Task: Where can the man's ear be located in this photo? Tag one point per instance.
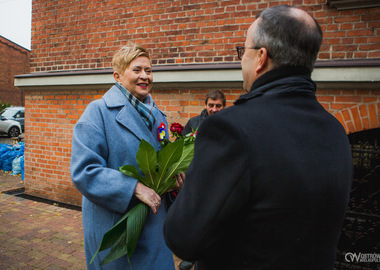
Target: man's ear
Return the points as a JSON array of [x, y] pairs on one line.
[[116, 76], [263, 61]]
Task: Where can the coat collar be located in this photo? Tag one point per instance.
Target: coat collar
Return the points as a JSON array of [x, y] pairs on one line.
[[204, 113], [281, 79], [128, 115], [114, 98]]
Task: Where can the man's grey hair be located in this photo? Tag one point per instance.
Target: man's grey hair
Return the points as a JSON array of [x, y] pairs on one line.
[[289, 39]]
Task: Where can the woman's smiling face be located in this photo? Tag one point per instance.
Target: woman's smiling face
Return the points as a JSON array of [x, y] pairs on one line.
[[137, 77]]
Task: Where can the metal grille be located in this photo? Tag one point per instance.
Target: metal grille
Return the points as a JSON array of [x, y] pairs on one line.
[[360, 239]]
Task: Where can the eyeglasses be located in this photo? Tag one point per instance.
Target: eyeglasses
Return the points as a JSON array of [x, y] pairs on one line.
[[241, 50]]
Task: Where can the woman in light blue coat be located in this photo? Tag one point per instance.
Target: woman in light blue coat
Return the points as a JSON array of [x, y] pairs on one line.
[[106, 137]]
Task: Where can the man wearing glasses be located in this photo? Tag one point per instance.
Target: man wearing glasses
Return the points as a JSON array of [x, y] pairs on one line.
[[270, 180]]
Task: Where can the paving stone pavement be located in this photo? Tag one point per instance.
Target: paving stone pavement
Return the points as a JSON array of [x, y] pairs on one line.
[[39, 235]]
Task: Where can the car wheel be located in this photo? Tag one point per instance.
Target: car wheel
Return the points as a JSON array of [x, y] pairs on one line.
[[13, 132]]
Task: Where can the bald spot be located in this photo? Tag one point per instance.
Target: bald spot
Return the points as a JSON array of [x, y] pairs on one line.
[[302, 16]]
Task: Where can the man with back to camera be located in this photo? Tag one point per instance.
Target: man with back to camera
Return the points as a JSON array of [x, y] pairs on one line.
[[270, 180], [215, 102]]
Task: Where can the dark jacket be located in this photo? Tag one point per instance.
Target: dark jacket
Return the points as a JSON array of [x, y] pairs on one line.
[[269, 183], [195, 122]]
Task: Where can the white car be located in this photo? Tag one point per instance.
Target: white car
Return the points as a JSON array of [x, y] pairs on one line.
[[10, 127], [14, 113]]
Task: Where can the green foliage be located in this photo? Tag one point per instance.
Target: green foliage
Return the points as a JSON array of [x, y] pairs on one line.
[[4, 105], [131, 224], [159, 170]]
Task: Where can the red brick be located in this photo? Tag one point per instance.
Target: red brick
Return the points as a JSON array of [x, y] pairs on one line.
[[366, 124], [325, 99], [349, 19], [349, 99], [14, 60], [363, 111], [350, 127], [369, 99], [356, 119], [374, 54], [369, 47], [373, 115]]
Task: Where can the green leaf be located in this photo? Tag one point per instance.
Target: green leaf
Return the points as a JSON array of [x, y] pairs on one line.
[[124, 235], [110, 237], [149, 182], [167, 156], [126, 243], [119, 249], [171, 153], [184, 161], [146, 158], [135, 225], [180, 166], [131, 171], [166, 185]]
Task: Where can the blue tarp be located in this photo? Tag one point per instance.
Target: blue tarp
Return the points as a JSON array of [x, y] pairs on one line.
[[8, 154], [7, 159], [4, 149], [22, 167]]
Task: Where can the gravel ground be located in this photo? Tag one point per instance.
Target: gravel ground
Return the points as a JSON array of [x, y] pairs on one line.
[[5, 139]]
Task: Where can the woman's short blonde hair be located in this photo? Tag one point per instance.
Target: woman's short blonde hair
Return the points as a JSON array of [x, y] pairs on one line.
[[125, 55]]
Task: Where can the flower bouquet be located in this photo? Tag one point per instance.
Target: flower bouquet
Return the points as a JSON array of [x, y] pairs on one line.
[[159, 170]]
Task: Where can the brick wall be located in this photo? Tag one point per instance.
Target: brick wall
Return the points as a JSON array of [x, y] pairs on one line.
[[81, 34], [49, 119], [357, 110], [51, 116], [14, 60], [73, 34]]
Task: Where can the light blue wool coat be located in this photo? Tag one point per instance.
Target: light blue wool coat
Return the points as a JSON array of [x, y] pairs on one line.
[[106, 137]]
